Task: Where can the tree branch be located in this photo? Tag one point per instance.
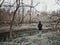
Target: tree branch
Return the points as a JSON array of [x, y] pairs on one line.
[[12, 22], [1, 3]]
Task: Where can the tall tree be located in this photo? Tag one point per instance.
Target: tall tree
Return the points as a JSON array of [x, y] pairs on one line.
[[11, 24]]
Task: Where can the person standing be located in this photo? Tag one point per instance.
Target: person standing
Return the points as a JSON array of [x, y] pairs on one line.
[[40, 27]]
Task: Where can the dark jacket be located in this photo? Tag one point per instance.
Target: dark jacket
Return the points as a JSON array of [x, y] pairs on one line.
[[39, 26]]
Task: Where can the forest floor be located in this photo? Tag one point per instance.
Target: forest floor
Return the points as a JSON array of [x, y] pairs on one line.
[[49, 38], [24, 27], [46, 38]]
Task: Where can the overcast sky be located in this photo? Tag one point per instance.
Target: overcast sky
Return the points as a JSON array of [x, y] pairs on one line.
[[45, 5]]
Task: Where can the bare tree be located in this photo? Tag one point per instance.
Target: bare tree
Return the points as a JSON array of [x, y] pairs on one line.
[[54, 19], [11, 38], [0, 7], [1, 4], [58, 2]]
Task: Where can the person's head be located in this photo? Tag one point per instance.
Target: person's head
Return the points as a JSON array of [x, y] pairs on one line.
[[39, 22]]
